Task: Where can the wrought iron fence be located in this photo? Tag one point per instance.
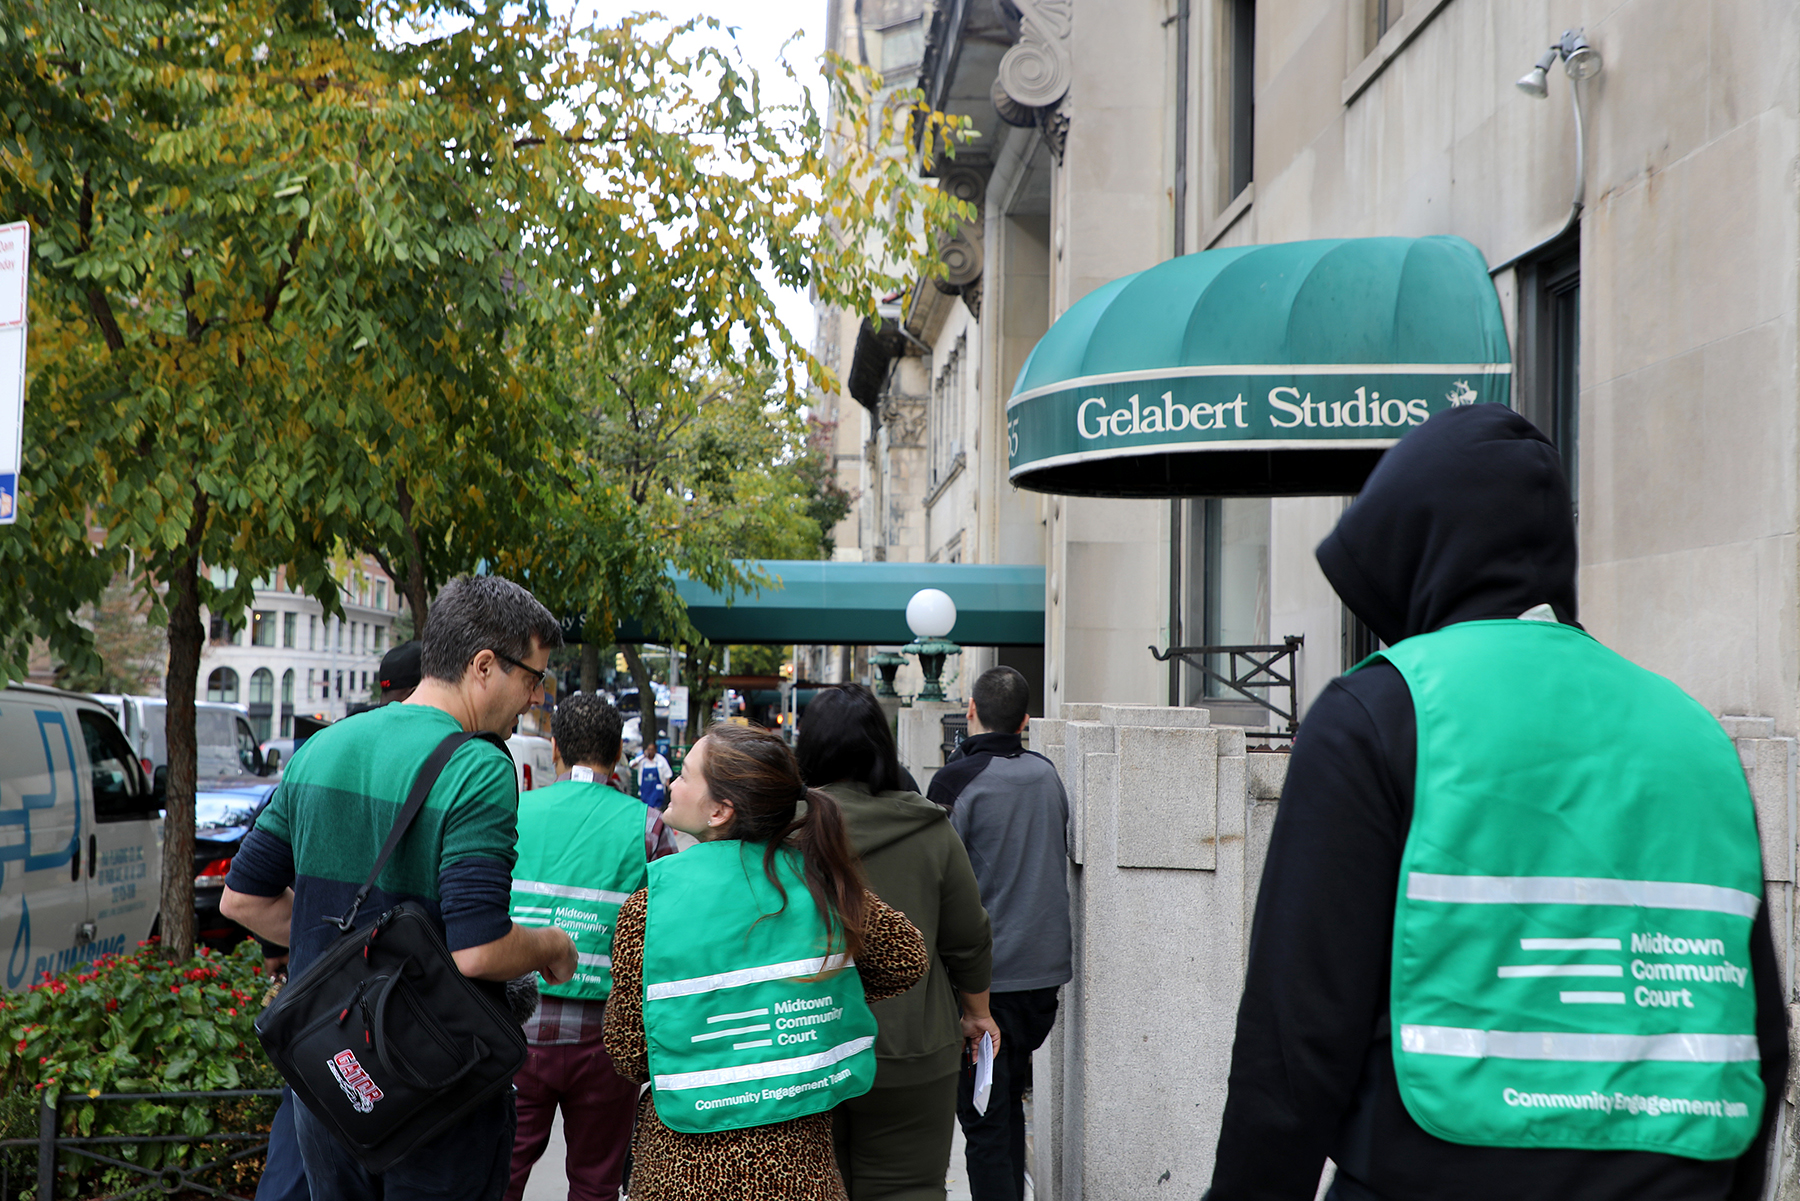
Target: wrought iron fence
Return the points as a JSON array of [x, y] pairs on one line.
[[164, 1179], [1247, 667]]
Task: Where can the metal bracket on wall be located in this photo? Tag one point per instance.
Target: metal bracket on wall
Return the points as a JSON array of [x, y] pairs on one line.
[[1249, 667]]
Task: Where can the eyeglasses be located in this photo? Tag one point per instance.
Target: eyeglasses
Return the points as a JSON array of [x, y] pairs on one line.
[[543, 677]]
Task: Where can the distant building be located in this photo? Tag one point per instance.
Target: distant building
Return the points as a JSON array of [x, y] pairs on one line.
[[286, 656]]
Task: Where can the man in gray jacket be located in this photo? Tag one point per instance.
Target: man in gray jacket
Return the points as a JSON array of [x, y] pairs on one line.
[[1010, 809]]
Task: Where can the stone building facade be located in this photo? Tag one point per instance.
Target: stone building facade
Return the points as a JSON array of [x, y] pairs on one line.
[[1645, 249], [286, 656], [1652, 331]]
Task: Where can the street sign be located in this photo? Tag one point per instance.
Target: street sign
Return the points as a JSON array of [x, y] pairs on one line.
[[15, 247], [678, 705]]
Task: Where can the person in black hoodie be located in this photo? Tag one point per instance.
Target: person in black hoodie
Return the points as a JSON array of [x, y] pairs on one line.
[[1469, 517]]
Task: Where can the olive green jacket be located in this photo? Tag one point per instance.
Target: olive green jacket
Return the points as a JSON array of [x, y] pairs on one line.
[[915, 862]]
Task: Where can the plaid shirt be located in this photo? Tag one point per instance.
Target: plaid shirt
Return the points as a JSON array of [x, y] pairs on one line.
[[562, 1021]]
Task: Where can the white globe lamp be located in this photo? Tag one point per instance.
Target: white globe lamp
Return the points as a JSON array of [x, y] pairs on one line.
[[931, 614]]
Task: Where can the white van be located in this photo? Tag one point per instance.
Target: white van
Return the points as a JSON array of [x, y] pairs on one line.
[[80, 835], [532, 761], [225, 743]]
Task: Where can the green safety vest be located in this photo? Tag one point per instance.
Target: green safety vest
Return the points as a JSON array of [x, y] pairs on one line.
[[743, 1029], [1572, 929], [581, 854]]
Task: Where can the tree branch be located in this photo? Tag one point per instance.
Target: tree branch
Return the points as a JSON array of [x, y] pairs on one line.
[[283, 274], [98, 305]]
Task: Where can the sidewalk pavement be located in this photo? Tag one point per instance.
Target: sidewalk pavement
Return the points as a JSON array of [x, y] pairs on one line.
[[550, 1183]]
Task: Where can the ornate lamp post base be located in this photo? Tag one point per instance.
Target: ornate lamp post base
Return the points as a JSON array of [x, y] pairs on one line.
[[889, 664], [931, 652]]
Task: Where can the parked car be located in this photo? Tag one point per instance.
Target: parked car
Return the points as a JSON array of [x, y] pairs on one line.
[[276, 753], [226, 745], [224, 811], [81, 865], [628, 700]]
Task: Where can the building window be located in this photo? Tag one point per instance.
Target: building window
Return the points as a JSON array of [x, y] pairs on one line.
[[223, 630], [222, 686], [340, 634], [290, 626], [946, 408], [897, 47], [1227, 592], [262, 628], [287, 687], [380, 639], [1379, 16], [312, 632], [381, 594], [1240, 98], [262, 687], [1548, 378]]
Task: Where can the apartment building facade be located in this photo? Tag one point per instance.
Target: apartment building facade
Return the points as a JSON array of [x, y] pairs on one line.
[[286, 656]]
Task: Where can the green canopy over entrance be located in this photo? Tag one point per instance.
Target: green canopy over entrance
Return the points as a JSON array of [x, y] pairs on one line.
[[1280, 370], [826, 602]]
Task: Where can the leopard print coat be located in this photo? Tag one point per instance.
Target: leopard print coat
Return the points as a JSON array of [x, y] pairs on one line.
[[786, 1161]]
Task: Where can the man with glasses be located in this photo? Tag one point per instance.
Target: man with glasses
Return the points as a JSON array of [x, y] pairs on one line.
[[485, 649]]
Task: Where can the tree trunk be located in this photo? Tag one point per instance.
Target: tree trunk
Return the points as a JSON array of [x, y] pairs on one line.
[[646, 694], [590, 668], [417, 591], [187, 637], [701, 691]]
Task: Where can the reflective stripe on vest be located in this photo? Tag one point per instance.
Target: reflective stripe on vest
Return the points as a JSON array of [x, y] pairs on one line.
[[581, 855], [749, 1021], [1571, 963]]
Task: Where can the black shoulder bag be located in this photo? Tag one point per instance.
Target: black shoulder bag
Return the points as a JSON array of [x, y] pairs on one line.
[[382, 1038]]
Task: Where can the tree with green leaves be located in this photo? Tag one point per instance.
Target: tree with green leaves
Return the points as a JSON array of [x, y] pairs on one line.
[[298, 264]]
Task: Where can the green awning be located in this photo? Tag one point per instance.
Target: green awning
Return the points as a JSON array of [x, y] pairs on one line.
[[826, 602], [1280, 370]]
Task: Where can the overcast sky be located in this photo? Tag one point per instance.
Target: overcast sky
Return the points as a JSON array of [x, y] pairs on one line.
[[762, 27]]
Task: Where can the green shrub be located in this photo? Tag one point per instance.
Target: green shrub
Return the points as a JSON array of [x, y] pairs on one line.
[[140, 1024]]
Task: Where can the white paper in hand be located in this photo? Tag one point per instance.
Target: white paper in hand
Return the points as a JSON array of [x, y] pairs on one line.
[[984, 1072]]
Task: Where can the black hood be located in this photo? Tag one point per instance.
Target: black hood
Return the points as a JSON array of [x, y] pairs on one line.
[[1468, 517]]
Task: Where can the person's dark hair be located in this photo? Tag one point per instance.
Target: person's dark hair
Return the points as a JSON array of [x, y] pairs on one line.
[[844, 735], [483, 613], [586, 730], [753, 769], [1001, 698]]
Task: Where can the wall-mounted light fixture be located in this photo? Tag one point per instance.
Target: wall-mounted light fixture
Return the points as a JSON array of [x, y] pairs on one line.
[[1580, 62]]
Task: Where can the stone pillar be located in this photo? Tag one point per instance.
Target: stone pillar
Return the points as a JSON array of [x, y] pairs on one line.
[[1166, 814], [921, 738], [1169, 821], [1769, 764]]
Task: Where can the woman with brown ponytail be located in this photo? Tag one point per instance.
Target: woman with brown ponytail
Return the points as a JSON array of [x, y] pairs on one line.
[[742, 977]]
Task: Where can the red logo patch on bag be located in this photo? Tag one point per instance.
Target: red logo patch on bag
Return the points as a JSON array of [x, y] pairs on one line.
[[355, 1082]]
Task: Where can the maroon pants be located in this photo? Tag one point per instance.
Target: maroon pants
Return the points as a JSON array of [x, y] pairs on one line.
[[597, 1106]]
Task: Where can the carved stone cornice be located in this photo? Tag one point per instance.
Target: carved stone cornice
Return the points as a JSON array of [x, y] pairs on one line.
[[1037, 71], [1054, 124], [904, 419]]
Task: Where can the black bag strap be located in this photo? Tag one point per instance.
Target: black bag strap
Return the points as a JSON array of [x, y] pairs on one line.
[[428, 775]]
